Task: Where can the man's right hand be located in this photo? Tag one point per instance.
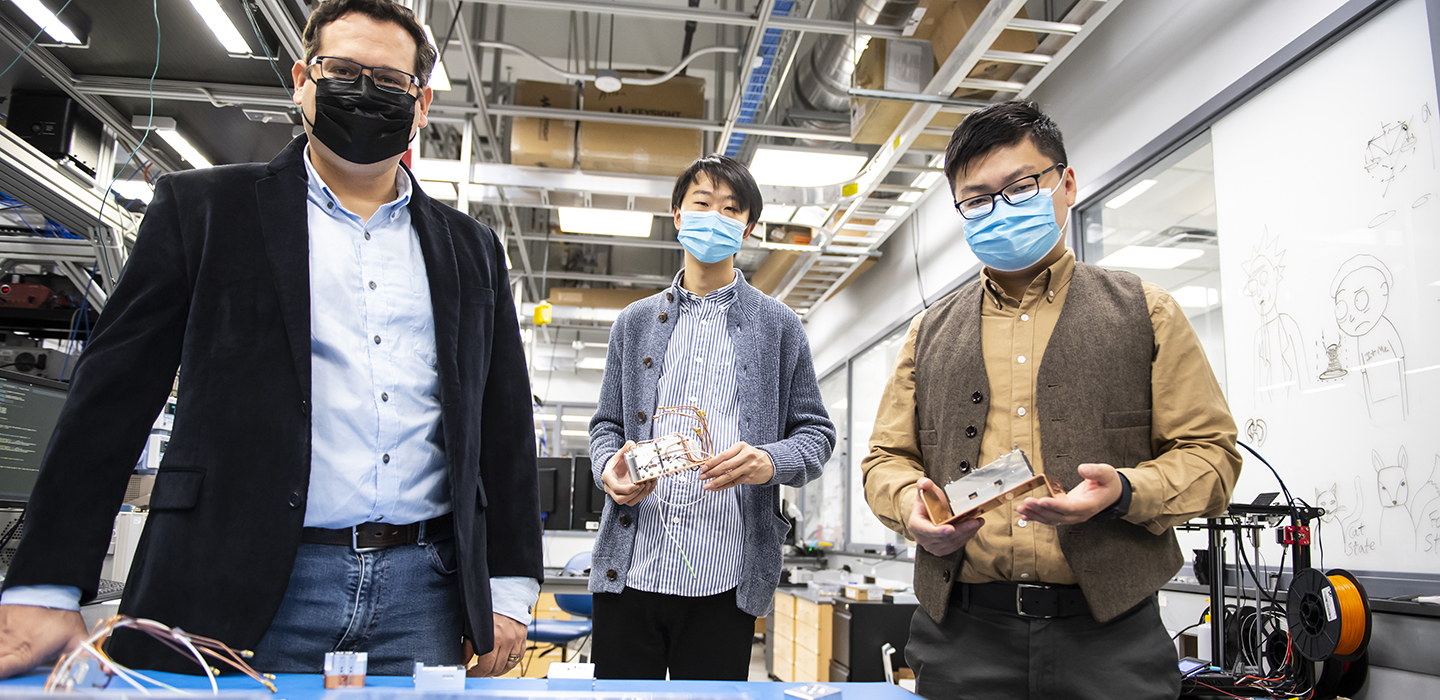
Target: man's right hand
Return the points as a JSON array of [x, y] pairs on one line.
[[620, 484], [31, 635], [940, 540]]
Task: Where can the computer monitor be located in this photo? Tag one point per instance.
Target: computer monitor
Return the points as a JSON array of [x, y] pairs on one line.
[[554, 492], [29, 409], [589, 499]]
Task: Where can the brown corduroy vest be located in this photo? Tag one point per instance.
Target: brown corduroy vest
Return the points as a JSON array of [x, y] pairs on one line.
[[1093, 405]]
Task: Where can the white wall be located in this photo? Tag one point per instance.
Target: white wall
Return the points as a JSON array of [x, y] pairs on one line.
[[1149, 65]]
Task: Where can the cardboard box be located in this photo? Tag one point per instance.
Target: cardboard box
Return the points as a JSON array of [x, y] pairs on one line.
[[952, 20], [597, 298], [895, 65], [624, 148], [544, 143]]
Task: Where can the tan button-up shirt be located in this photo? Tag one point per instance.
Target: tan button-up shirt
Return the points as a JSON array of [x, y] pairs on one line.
[[1192, 431]]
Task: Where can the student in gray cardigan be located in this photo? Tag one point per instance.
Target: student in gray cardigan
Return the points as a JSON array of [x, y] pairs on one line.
[[684, 564]]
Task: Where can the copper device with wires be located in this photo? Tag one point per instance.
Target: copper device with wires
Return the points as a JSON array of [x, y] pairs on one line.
[[88, 666], [673, 453]]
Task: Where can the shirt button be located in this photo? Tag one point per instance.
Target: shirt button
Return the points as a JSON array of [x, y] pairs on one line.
[[377, 340], [1021, 359], [1022, 522], [385, 458], [977, 397], [1024, 575], [367, 235], [669, 296], [329, 205], [1052, 295], [640, 415], [1021, 410], [964, 466], [699, 359], [372, 285], [945, 576], [970, 432], [663, 316], [675, 520], [611, 575], [1024, 317], [625, 521], [295, 499], [384, 397], [647, 362]]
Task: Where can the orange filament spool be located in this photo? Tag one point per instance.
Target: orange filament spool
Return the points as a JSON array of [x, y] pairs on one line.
[[1328, 615]]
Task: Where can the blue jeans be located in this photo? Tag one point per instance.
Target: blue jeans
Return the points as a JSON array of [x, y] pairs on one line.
[[400, 605]]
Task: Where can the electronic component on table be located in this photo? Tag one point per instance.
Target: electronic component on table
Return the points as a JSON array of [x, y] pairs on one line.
[[345, 669], [813, 691], [673, 453], [439, 678], [982, 490]]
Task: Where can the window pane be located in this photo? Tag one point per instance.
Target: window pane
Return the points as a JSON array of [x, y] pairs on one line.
[[1161, 226], [824, 498], [869, 372]]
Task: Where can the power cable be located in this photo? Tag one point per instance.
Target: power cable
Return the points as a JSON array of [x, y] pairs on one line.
[[264, 47], [33, 39]]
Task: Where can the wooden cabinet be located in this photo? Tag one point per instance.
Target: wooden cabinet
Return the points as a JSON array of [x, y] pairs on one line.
[[801, 639]]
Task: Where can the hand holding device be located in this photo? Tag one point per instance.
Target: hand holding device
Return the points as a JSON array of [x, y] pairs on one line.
[[741, 464], [620, 483], [940, 540]]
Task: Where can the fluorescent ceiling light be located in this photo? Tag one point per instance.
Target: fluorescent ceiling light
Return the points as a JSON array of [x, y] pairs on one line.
[[811, 216], [133, 189], [575, 419], [1196, 297], [595, 345], [590, 363], [41, 15], [440, 190], [1150, 257], [575, 433], [925, 180], [439, 79], [794, 168], [1124, 198], [545, 416], [221, 26], [777, 213], [183, 147], [605, 222]]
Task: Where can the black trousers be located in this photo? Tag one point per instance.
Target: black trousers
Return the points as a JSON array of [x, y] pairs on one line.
[[642, 635], [984, 654]]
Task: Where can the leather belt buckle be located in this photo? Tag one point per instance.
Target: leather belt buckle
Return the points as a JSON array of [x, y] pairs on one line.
[[1020, 601], [355, 542]]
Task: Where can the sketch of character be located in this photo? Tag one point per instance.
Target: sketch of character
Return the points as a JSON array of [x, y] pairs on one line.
[[1352, 526], [1427, 513], [1361, 292], [1279, 350], [1404, 503], [1256, 431], [1386, 154]]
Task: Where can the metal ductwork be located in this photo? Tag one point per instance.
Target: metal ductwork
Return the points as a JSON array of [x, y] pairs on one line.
[[823, 78]]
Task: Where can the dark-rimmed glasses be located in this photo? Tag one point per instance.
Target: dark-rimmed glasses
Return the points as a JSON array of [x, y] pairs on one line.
[[1024, 189], [348, 71]]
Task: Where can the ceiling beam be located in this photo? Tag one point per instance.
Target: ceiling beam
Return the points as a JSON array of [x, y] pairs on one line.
[[688, 14], [280, 21], [217, 94], [789, 132]]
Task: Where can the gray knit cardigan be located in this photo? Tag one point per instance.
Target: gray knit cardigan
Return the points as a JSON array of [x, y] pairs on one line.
[[781, 413]]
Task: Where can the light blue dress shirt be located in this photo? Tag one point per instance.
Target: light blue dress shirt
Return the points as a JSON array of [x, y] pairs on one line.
[[688, 541], [377, 452]]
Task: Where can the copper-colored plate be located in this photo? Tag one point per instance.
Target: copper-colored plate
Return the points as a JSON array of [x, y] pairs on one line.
[[941, 514]]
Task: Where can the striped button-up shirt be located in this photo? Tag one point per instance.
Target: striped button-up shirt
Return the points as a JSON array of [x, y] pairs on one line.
[[688, 541]]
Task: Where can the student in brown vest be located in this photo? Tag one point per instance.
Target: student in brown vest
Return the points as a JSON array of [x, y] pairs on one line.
[[1102, 382]]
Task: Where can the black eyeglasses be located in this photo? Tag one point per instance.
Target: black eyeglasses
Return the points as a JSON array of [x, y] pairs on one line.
[[1024, 189], [348, 71]]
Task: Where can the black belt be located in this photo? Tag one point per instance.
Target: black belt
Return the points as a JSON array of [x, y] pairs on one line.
[[380, 535], [1035, 600]]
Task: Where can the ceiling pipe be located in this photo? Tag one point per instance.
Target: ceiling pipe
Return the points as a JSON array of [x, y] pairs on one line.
[[824, 76]]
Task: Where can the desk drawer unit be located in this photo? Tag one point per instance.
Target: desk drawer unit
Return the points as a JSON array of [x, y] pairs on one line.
[[784, 658]]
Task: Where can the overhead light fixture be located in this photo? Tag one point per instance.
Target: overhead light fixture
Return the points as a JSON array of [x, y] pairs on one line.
[[777, 213], [164, 127], [590, 363], [607, 80], [1150, 257], [42, 16], [1196, 297], [575, 433], [575, 419], [1125, 197], [548, 417], [221, 26], [439, 79], [801, 168], [605, 222]]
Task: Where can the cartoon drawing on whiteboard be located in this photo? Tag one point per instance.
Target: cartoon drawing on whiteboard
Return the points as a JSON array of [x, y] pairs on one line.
[[1352, 525], [1361, 292], [1334, 369], [1389, 153], [1278, 346], [1427, 520], [1406, 507], [1256, 431]]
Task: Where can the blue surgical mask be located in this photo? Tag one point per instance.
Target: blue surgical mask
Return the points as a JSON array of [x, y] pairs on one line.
[[1015, 236], [709, 235]]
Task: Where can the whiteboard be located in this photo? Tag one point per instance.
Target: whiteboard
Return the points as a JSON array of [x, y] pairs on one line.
[[1328, 202]]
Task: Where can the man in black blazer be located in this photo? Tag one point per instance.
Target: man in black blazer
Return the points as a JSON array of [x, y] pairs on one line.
[[225, 283]]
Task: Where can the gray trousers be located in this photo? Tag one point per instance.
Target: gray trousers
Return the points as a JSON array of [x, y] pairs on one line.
[[982, 653]]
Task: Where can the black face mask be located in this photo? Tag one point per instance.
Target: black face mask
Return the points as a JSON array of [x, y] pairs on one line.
[[360, 122]]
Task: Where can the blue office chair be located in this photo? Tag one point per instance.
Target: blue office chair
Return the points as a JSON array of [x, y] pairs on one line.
[[561, 632]]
